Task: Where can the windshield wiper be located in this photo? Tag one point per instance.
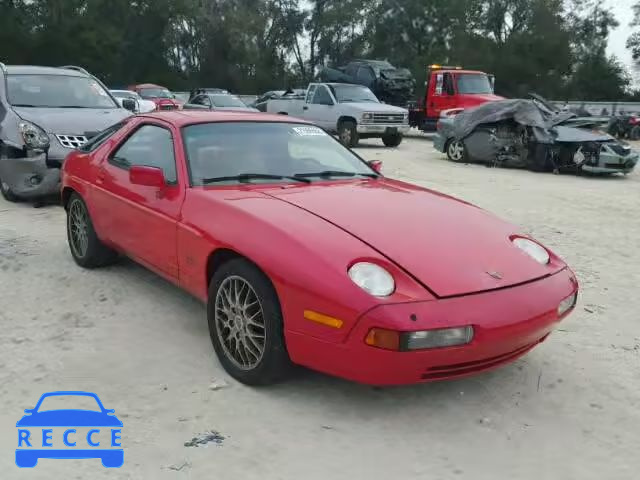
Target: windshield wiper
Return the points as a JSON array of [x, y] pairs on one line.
[[333, 173], [23, 105], [247, 177]]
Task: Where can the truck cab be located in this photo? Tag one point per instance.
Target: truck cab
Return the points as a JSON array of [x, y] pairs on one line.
[[451, 88]]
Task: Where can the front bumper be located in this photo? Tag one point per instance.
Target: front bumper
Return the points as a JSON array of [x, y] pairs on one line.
[[507, 324], [439, 142], [382, 129], [613, 163]]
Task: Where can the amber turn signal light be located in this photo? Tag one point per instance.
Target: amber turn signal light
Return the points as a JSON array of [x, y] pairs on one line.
[[381, 338]]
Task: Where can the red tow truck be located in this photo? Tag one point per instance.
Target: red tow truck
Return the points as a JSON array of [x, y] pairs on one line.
[[450, 88]]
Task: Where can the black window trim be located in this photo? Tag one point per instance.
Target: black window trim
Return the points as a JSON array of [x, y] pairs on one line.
[[101, 138], [154, 123]]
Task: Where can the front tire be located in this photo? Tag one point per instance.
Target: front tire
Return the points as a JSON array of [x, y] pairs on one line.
[[246, 325], [392, 140], [348, 134], [634, 134], [86, 248], [456, 151]]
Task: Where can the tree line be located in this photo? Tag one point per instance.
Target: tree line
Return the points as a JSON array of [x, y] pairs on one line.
[[554, 47]]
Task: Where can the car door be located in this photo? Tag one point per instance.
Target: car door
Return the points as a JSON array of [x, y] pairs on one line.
[[443, 95], [142, 220], [322, 108]]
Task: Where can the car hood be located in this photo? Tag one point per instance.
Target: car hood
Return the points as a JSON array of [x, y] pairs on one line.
[[72, 121], [69, 418], [374, 107], [450, 246], [471, 100]]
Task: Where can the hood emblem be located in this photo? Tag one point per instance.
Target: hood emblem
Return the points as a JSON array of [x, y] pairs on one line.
[[496, 275]]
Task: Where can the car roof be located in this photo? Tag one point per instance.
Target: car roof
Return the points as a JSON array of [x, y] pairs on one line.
[[37, 70], [147, 85], [181, 118]]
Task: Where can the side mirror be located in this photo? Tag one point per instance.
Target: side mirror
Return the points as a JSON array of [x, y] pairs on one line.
[[146, 176], [130, 104], [376, 165]]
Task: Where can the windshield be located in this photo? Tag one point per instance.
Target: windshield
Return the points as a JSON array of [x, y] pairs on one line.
[[474, 83], [217, 150], [226, 101], [56, 91], [182, 96], [353, 93], [158, 92]]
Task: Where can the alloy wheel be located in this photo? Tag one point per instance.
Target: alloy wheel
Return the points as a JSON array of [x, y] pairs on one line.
[[240, 324], [456, 150], [78, 228]]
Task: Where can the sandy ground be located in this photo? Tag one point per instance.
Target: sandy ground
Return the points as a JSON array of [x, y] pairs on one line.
[[568, 410]]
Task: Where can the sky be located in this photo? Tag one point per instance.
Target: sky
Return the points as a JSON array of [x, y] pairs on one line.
[[617, 39]]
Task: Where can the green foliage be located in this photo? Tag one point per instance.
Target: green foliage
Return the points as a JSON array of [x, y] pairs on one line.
[[553, 47]]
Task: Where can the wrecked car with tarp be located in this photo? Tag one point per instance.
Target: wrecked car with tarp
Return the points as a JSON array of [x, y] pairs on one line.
[[532, 134], [391, 85]]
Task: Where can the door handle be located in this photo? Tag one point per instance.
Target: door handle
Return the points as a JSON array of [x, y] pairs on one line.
[[305, 108], [100, 176]]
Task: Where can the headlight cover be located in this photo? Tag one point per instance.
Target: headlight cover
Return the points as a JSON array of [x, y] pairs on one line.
[[34, 137], [533, 249], [372, 278]]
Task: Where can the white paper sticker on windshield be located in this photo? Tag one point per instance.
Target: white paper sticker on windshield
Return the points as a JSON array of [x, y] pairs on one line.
[[309, 131]]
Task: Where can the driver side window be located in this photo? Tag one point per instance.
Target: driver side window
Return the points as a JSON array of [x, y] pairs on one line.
[[322, 97], [151, 146]]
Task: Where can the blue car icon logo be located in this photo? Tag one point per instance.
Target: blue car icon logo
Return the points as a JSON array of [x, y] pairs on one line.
[[89, 432]]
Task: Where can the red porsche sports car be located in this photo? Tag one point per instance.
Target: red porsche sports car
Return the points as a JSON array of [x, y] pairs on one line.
[[305, 254]]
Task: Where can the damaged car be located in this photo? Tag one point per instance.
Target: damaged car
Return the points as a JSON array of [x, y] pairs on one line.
[[391, 85], [45, 113], [532, 134]]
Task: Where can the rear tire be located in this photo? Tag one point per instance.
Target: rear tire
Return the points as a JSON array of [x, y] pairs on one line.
[[86, 248], [392, 140], [348, 133], [456, 151], [246, 325], [634, 134]]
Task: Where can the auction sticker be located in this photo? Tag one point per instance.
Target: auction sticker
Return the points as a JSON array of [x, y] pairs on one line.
[[309, 131]]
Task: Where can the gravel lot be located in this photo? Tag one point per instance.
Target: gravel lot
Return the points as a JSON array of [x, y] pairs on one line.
[[568, 410]]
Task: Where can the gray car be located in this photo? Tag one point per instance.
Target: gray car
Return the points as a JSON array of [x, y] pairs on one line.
[[45, 113], [217, 101]]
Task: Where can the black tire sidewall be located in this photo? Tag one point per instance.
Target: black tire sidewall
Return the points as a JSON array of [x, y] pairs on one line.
[[392, 140], [349, 125], [97, 253], [275, 363]]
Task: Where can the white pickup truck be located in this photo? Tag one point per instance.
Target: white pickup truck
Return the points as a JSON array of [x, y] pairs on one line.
[[351, 111]]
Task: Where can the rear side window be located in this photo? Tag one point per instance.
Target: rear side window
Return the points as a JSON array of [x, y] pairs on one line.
[[101, 137]]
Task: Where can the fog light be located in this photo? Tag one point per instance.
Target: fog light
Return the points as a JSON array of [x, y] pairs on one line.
[[567, 304], [443, 337], [35, 180]]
